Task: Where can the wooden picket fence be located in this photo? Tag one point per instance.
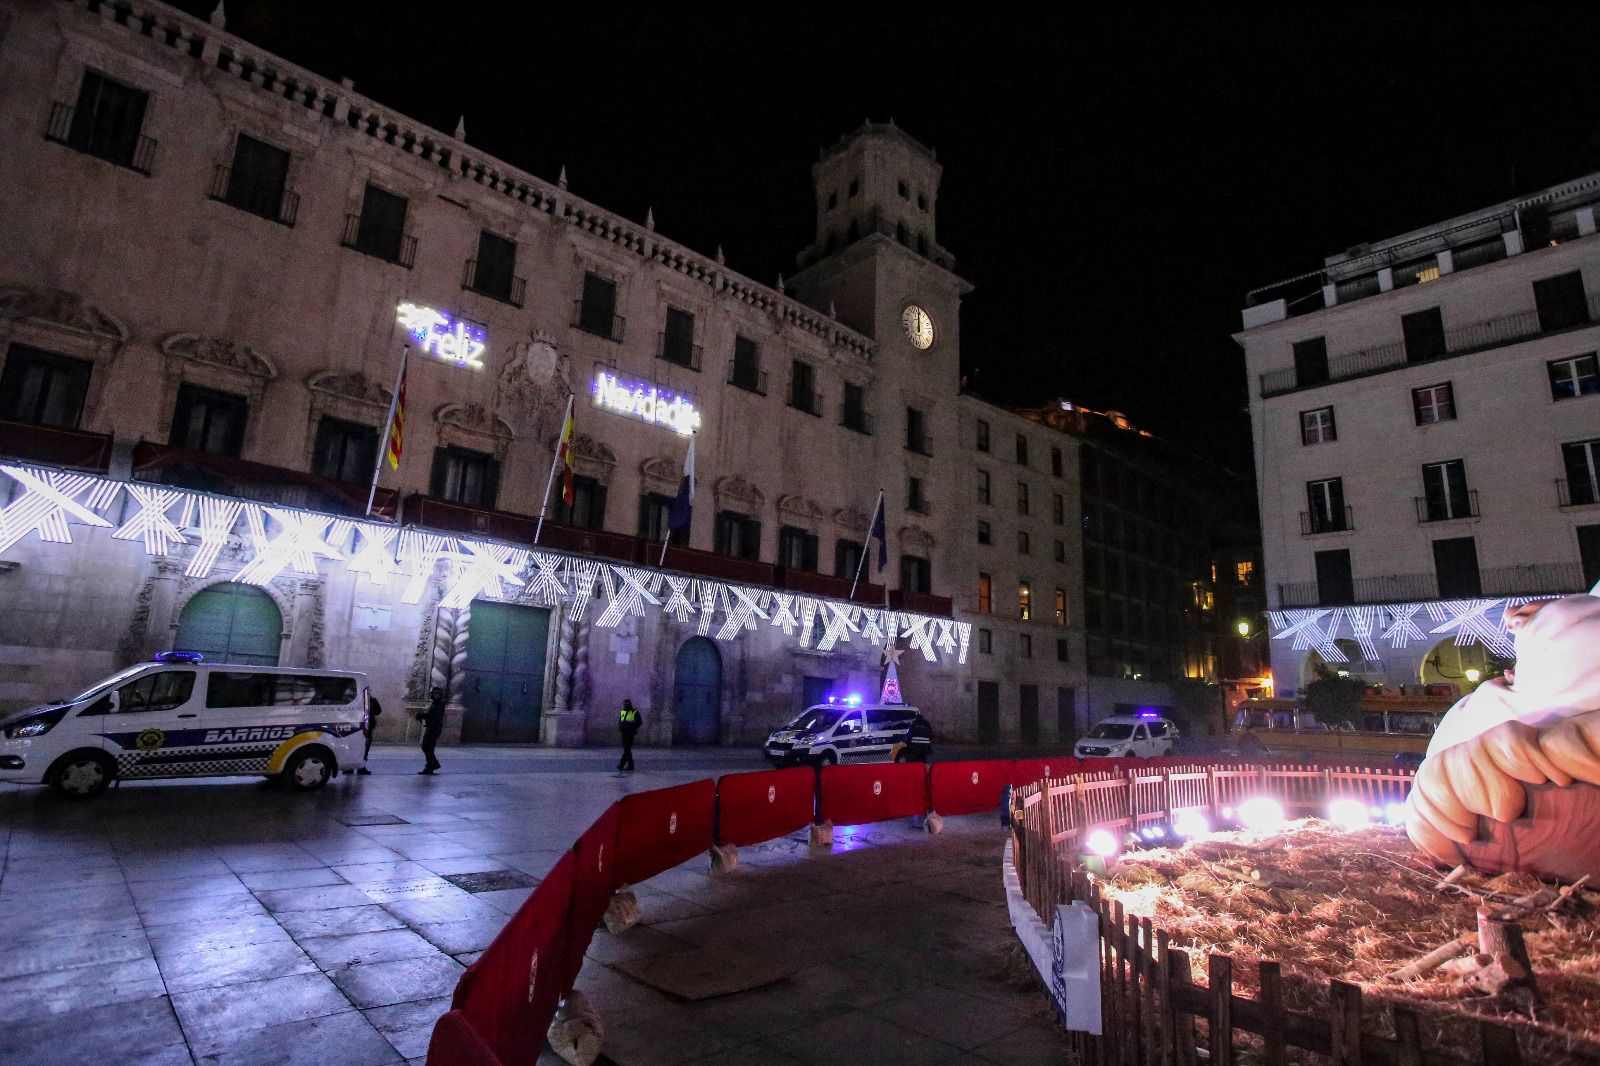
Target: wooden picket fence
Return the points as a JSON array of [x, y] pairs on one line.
[[1153, 1011]]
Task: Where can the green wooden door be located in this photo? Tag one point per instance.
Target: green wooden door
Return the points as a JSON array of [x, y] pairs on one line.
[[504, 691], [231, 623]]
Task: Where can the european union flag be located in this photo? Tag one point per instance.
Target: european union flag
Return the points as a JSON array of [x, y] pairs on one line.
[[878, 531]]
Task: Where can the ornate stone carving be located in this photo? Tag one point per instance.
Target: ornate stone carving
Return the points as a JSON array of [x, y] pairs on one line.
[[533, 385], [421, 660], [130, 648], [916, 539], [591, 458], [449, 667], [315, 647], [661, 474], [62, 309], [736, 494], [474, 418], [351, 385], [800, 511], [221, 353], [851, 521]]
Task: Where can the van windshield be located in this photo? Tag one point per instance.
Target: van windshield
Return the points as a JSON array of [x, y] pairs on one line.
[[1111, 731], [816, 719], [111, 682]]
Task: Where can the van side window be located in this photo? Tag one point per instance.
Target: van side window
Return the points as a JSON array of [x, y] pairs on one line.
[[851, 723], [882, 718], [277, 690], [161, 691], [1158, 729]]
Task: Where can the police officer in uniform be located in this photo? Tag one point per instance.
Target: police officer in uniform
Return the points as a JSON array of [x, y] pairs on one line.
[[432, 726], [628, 720], [369, 727]]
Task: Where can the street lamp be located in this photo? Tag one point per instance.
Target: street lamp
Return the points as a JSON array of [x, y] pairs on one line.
[[1473, 674], [1244, 629]]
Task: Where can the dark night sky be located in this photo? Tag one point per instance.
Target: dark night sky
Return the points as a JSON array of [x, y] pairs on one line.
[[1113, 185]]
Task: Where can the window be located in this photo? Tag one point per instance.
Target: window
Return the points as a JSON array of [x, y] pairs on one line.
[[983, 487], [43, 388], [1245, 571], [344, 451], [208, 421], [802, 387], [106, 123], [746, 370], [855, 187], [1022, 449], [1582, 462], [922, 202], [379, 230], [1561, 301], [985, 535], [1455, 562], [1025, 645], [597, 308], [915, 500], [985, 593], [916, 574], [986, 641], [258, 180], [655, 509], [1445, 491], [228, 690], [1589, 554], [1060, 551], [588, 510], [1433, 403], [677, 340], [1061, 607], [737, 535], [797, 548], [1311, 361], [917, 431], [846, 558], [493, 272], [1579, 376], [983, 435], [900, 187], [1424, 334], [1325, 506], [1022, 497], [1334, 583], [1024, 601], [1063, 650], [853, 415], [1023, 544], [161, 691], [1317, 426], [833, 200], [463, 476], [1058, 509], [1056, 464]]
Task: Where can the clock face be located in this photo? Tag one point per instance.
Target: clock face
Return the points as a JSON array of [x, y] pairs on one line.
[[918, 326]]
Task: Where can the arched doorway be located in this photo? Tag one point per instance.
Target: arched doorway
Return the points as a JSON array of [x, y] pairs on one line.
[[231, 623], [697, 693]]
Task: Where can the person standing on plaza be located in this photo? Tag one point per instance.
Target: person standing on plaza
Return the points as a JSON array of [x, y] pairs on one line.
[[628, 721], [370, 726], [432, 726]]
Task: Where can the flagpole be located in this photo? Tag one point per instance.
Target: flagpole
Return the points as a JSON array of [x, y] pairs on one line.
[[688, 472], [865, 544], [661, 562], [555, 461], [388, 429]]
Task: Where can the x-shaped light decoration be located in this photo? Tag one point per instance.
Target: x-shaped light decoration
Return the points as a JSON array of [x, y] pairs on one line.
[[49, 499]]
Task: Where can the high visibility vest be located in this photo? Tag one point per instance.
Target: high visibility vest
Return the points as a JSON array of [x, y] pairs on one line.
[[628, 715]]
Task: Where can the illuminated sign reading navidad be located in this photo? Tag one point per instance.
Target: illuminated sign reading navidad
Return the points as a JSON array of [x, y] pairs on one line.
[[645, 403], [443, 337]]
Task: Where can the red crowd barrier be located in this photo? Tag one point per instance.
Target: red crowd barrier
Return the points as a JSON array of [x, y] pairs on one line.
[[594, 879], [659, 829], [968, 787], [764, 805], [855, 795], [456, 1043], [1027, 771], [510, 994]]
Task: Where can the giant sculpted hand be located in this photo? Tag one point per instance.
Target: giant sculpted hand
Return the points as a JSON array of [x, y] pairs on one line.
[[1540, 727]]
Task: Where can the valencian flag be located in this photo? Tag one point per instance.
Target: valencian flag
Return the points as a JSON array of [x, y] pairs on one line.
[[564, 451], [398, 424], [877, 531], [683, 503]]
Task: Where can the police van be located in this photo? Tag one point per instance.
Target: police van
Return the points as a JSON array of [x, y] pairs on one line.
[[847, 731], [181, 717]]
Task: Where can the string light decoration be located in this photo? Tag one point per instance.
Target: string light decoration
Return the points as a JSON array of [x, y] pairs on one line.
[[1468, 622], [275, 540]]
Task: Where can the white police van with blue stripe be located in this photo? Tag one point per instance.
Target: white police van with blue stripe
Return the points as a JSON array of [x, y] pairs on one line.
[[181, 717], [846, 730]]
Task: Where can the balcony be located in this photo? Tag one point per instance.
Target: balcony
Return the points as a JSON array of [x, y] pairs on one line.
[[1446, 508], [1313, 523], [855, 418], [1577, 493], [55, 446], [1539, 579], [392, 246], [596, 322], [281, 207], [508, 290], [747, 378], [278, 486], [804, 400], [919, 443], [1463, 340], [135, 153], [677, 351], [922, 602]]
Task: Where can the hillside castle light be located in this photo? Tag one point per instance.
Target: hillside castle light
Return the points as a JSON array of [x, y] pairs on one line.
[[645, 403]]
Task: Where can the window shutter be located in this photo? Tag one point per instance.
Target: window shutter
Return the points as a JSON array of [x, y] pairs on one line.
[[441, 459]]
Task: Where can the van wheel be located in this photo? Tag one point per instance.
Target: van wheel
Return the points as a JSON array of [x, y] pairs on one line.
[[82, 774], [829, 758], [308, 769], [902, 756]]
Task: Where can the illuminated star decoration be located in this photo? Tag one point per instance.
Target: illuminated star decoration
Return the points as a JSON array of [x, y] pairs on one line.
[[891, 653]]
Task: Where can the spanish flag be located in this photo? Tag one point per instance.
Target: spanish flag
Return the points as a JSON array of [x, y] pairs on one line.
[[564, 451], [397, 427]]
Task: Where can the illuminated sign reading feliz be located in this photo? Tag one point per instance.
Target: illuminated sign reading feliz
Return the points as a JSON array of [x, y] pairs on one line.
[[645, 402], [443, 337]]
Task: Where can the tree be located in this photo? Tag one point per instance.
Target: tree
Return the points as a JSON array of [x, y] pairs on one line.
[[1333, 699]]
